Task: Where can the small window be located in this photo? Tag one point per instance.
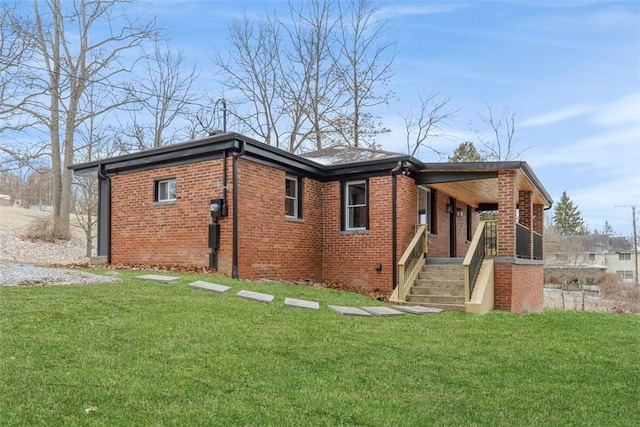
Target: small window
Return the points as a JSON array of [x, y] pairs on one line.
[[592, 257], [355, 204], [433, 209], [469, 223], [165, 190], [624, 257], [292, 198]]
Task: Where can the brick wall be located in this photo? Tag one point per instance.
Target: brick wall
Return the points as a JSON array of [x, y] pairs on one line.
[[439, 241], [507, 202], [519, 288], [350, 257], [143, 231], [271, 245]]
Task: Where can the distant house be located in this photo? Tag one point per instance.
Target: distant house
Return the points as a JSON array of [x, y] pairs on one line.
[[373, 220], [595, 253], [5, 200]]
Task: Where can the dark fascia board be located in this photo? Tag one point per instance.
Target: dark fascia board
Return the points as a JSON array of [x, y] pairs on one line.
[[493, 166], [213, 147]]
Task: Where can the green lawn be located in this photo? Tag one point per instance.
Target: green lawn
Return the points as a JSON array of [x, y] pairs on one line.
[[146, 354]]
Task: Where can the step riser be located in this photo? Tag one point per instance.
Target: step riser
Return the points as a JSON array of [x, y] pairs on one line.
[[430, 291], [436, 299], [436, 276], [446, 307]]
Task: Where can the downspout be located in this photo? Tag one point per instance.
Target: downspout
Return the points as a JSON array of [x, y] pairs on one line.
[[102, 175], [394, 273], [224, 183], [236, 156]]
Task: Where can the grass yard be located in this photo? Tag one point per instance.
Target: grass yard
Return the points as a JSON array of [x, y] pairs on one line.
[[145, 354]]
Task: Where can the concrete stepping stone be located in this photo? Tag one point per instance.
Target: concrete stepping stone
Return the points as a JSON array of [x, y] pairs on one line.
[[255, 296], [383, 311], [301, 303], [417, 309], [201, 285], [348, 311], [158, 278]]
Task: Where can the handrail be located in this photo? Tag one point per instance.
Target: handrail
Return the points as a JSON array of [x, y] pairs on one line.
[[411, 262], [475, 255]]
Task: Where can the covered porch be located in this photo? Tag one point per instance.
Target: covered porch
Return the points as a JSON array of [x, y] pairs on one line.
[[503, 264]]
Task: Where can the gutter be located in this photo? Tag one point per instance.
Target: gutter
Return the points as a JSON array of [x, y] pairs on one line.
[[394, 223]]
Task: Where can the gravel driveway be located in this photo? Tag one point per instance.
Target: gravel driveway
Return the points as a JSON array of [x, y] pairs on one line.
[[18, 274]]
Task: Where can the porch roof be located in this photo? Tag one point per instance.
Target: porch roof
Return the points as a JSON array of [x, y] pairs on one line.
[[476, 183]]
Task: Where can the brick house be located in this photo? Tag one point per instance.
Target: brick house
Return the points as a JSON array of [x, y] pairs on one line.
[[365, 218]]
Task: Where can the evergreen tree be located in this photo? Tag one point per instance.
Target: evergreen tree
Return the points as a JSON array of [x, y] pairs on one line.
[[567, 219], [466, 152], [607, 229]]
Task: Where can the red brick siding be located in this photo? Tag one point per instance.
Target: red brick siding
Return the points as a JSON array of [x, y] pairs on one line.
[[518, 288], [143, 231], [271, 245], [507, 202], [350, 257], [538, 222], [525, 216]]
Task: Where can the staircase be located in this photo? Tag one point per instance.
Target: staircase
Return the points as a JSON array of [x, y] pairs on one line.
[[439, 286]]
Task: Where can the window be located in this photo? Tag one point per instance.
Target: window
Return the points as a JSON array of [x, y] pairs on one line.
[[356, 206], [625, 274], [424, 206], [165, 190], [292, 197], [624, 257], [469, 223], [433, 208], [592, 257]]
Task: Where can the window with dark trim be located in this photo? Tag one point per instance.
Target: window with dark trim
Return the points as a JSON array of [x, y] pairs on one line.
[[355, 205], [624, 257], [165, 190], [293, 197]]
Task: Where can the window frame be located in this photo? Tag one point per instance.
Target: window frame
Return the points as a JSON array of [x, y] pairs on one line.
[[622, 256], [348, 208], [158, 190], [297, 199]]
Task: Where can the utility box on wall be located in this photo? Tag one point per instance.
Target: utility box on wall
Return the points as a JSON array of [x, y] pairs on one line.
[[214, 236]]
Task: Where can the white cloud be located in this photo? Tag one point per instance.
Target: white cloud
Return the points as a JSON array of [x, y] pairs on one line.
[[557, 115]]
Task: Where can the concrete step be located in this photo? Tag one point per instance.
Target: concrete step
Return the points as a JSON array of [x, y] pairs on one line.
[[449, 275], [445, 307], [436, 299], [430, 290]]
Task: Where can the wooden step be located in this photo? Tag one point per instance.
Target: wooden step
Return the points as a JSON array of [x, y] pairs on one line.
[[436, 299], [445, 307], [430, 290]]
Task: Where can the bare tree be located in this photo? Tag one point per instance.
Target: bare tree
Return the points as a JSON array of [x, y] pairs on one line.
[[250, 72], [364, 67], [78, 44], [310, 85], [502, 145], [427, 122], [164, 96]]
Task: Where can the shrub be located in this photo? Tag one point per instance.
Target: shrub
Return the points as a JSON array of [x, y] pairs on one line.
[[45, 229]]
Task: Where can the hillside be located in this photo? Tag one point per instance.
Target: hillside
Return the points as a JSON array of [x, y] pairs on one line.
[[14, 247]]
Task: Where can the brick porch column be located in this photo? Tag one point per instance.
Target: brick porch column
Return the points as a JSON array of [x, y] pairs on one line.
[[507, 203], [526, 217]]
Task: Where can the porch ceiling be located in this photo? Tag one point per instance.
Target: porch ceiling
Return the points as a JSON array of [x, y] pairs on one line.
[[485, 190]]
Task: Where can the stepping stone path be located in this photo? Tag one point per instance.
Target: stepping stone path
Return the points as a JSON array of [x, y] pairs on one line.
[[158, 278], [210, 287], [348, 311], [383, 311], [417, 309], [255, 296], [301, 303]]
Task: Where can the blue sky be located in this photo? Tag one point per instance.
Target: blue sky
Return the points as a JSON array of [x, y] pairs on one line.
[[570, 69]]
